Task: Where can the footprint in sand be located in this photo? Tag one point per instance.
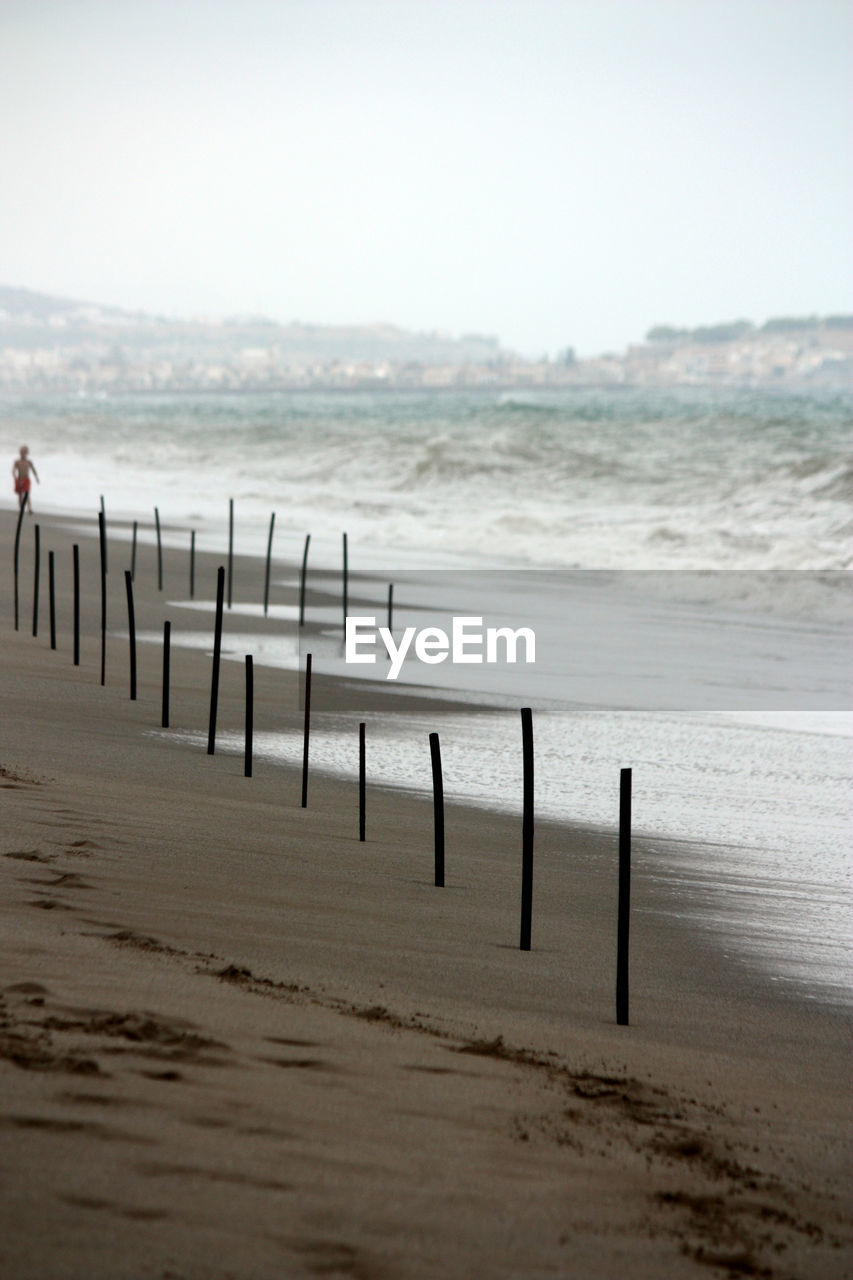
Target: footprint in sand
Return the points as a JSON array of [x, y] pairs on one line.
[[61, 880], [37, 1054], [13, 781], [30, 855], [68, 880], [82, 848], [112, 1206]]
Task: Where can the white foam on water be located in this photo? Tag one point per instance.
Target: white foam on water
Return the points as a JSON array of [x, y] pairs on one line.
[[630, 479]]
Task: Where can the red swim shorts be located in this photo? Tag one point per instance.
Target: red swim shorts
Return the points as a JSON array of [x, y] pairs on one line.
[[22, 485]]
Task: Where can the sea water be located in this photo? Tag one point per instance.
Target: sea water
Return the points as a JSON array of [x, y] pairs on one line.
[[592, 479], [684, 555]]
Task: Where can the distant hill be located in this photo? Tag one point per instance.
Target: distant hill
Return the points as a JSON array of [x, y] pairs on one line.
[[733, 330], [56, 344], [30, 320], [28, 306]]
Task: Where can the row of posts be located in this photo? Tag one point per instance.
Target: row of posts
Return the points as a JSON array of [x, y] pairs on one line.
[[624, 891]]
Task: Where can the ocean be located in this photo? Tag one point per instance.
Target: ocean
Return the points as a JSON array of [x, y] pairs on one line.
[[627, 479], [684, 556]]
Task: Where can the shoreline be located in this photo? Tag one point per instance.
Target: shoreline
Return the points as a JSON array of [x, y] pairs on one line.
[[158, 869], [335, 696], [338, 696], [722, 873]]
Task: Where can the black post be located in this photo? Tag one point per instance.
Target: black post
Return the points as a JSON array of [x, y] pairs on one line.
[[217, 653], [76, 553], [302, 581], [133, 551], [51, 590], [36, 569], [104, 517], [362, 779], [21, 511], [527, 830], [438, 807], [192, 564], [159, 551], [250, 695], [102, 529], [624, 913], [230, 547], [131, 626], [391, 606], [306, 731], [269, 559], [346, 568], [167, 638]]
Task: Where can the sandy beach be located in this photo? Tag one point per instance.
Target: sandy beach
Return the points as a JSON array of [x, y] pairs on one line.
[[236, 1041]]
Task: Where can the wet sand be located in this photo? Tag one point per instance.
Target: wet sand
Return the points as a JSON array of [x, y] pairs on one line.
[[236, 1041]]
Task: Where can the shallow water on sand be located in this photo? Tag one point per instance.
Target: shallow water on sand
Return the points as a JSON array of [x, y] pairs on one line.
[[747, 812]]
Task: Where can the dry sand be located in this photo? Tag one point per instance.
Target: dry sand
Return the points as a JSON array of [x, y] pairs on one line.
[[237, 1042]]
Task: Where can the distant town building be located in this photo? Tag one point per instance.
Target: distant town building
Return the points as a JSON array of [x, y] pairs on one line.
[[54, 344]]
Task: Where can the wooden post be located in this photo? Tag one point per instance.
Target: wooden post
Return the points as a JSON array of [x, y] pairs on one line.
[[192, 565], [76, 557], [167, 638], [230, 547], [159, 551], [345, 584], [250, 696], [269, 561], [131, 626], [104, 518], [306, 731], [102, 530], [438, 807], [51, 589], [21, 511], [36, 570], [217, 653], [624, 912], [302, 581], [362, 779], [527, 830], [391, 606]]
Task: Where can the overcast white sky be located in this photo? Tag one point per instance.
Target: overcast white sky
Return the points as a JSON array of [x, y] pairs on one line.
[[555, 172]]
